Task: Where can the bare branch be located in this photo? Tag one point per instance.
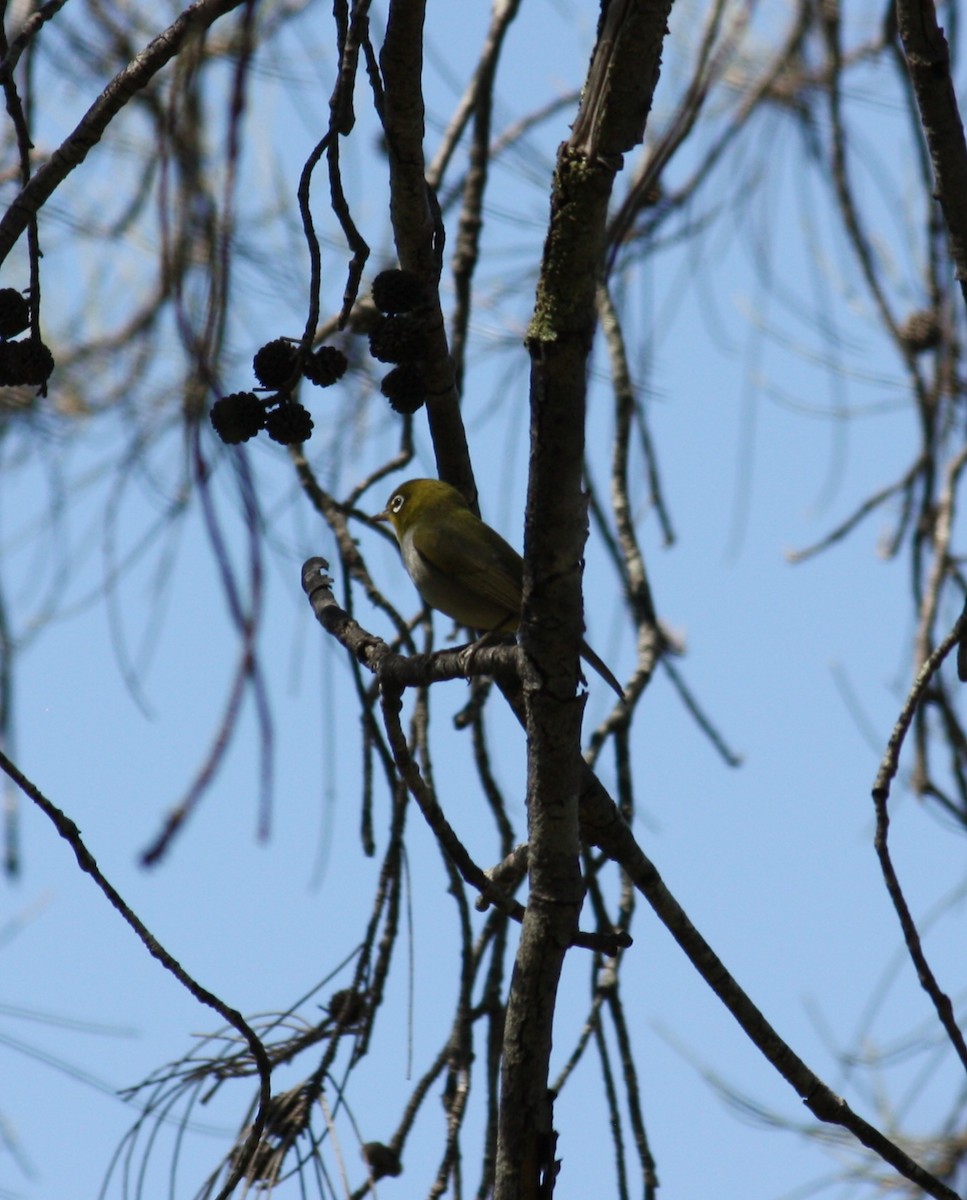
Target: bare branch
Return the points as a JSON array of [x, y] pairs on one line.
[[928, 60], [75, 148]]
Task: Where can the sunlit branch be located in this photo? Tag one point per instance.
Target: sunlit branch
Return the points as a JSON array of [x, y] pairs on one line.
[[881, 793], [928, 60]]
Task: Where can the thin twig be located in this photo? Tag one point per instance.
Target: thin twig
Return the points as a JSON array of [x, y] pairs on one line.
[[891, 758], [870, 504], [881, 792]]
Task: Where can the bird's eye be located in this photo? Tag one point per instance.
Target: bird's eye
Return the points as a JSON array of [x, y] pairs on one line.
[[396, 503]]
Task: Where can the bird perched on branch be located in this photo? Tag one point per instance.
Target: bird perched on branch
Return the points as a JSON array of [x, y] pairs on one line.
[[459, 564]]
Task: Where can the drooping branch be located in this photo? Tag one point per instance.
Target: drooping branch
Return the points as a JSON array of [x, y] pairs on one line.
[[139, 72], [602, 825], [418, 231]]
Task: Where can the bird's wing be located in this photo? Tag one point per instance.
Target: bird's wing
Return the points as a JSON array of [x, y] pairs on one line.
[[494, 570]]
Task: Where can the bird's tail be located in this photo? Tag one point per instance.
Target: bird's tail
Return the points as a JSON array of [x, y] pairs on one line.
[[593, 661]]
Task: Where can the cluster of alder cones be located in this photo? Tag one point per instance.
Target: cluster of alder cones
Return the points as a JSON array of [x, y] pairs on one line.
[[24, 362], [398, 337]]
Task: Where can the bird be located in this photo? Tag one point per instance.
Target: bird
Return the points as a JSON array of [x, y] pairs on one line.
[[461, 566]]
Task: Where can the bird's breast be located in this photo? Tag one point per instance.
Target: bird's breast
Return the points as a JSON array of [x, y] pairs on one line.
[[452, 594]]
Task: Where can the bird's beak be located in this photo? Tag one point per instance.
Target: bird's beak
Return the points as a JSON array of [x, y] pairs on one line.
[[381, 516]]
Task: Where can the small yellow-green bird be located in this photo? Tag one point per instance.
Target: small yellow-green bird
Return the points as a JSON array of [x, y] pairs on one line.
[[459, 564]]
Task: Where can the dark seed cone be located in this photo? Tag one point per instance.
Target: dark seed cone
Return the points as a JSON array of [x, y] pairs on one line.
[[405, 388], [14, 313], [39, 362], [399, 339], [237, 417], [382, 1160], [346, 1006], [326, 366], [921, 331], [288, 424], [398, 291], [26, 362], [12, 364], [275, 363]]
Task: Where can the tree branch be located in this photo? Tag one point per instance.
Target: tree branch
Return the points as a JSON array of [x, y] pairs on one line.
[[77, 145], [928, 61], [603, 826]]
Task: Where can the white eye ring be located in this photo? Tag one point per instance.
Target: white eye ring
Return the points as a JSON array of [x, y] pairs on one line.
[[397, 503]]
